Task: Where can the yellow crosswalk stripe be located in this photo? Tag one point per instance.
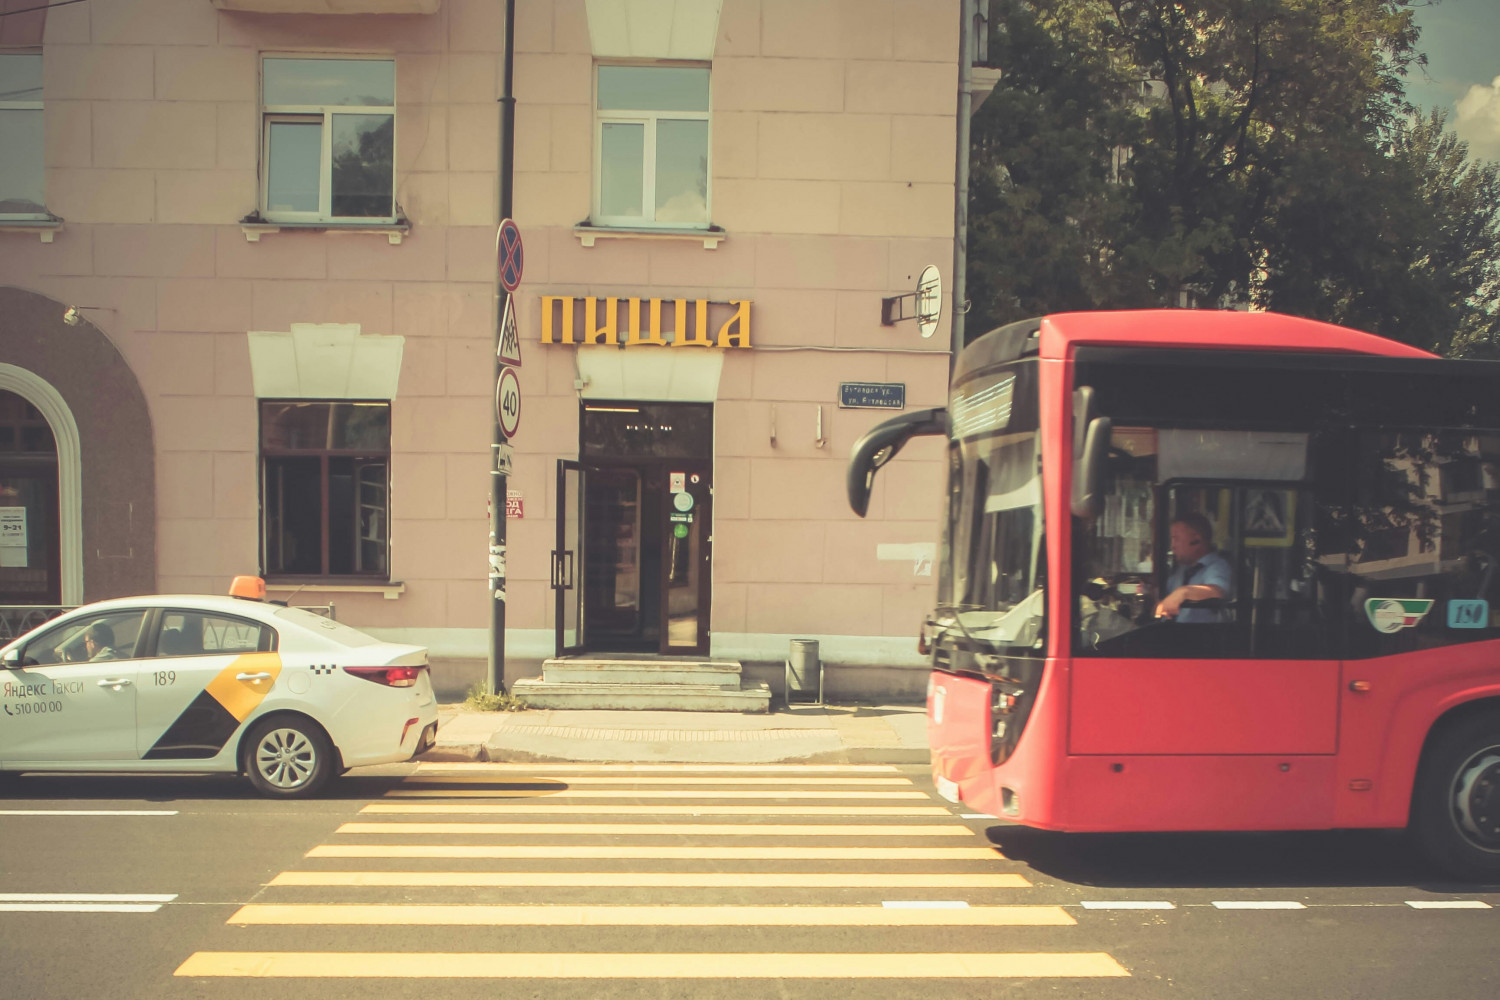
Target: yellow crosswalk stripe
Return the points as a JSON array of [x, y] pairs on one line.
[[564, 965], [660, 880], [429, 767], [669, 829], [781, 782], [579, 852], [603, 809], [642, 793], [405, 914]]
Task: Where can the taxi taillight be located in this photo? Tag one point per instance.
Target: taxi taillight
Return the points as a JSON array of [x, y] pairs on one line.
[[396, 677]]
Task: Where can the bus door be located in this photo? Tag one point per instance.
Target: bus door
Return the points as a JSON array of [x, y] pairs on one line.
[[1253, 672]]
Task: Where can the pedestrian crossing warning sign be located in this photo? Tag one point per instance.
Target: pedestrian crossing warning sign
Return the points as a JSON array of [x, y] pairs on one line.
[[509, 348]]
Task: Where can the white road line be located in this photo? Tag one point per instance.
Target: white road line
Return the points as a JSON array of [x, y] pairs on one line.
[[1448, 904], [976, 816], [88, 812], [533, 807], [649, 793], [83, 902], [1258, 904], [550, 784], [430, 767], [1127, 904], [924, 904], [79, 907], [87, 897]]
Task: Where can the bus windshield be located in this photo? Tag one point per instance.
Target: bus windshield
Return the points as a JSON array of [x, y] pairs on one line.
[[992, 583]]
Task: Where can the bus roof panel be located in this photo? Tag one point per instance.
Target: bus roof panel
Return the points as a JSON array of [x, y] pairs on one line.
[[1205, 328]]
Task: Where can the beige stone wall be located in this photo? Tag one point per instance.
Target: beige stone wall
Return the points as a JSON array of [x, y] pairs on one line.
[[831, 173]]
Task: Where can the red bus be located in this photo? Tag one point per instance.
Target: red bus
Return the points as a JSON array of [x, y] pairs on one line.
[[1337, 662]]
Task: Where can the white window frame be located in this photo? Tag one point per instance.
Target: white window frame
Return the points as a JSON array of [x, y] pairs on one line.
[[324, 114], [648, 119], [36, 105]]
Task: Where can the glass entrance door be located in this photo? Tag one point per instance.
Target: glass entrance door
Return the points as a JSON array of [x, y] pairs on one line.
[[646, 567], [686, 559], [568, 558]]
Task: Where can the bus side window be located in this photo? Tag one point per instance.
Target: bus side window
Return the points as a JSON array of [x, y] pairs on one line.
[[1423, 546]]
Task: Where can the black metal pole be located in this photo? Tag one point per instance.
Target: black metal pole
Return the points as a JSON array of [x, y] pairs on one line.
[[496, 671], [961, 182]]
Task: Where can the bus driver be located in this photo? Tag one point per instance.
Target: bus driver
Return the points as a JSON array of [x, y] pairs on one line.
[[1200, 574]]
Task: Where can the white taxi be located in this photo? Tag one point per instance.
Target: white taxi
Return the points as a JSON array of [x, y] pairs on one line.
[[199, 684]]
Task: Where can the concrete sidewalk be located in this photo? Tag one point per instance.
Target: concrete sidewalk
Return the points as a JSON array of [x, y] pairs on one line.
[[823, 734]]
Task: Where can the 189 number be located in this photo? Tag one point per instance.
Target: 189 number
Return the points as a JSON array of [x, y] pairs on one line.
[[164, 678]]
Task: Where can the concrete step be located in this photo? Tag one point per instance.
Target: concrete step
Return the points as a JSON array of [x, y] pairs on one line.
[[539, 693], [577, 670]]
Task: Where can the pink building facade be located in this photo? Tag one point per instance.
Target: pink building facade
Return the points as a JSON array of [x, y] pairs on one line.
[[248, 315]]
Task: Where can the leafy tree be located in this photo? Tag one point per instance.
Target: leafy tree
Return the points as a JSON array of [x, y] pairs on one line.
[[1226, 152]]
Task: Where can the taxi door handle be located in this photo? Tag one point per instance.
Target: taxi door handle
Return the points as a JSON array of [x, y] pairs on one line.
[[115, 682], [252, 677]]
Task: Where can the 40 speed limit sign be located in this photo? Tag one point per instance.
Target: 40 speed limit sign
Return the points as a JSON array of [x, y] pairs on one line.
[[508, 402]]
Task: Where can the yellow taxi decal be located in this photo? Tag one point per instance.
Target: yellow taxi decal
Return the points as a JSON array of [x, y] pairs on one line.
[[244, 684]]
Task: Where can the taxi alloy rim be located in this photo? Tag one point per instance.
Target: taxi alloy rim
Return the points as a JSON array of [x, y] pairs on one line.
[[1476, 799], [286, 758]]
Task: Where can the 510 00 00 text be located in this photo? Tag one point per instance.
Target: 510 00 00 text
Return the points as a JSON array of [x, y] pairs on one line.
[[33, 707]]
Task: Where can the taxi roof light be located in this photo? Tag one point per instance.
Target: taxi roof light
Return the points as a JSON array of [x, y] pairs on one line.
[[249, 588]]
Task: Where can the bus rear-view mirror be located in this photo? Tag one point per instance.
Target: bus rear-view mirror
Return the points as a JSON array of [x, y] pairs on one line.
[[880, 444], [1090, 449]]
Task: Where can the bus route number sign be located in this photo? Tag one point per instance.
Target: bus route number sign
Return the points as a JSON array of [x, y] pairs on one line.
[[508, 402]]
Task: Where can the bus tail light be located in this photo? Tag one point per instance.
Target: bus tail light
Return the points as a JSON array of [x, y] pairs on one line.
[[396, 677]]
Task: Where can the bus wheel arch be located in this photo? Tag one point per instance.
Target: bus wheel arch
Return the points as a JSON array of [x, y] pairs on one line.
[[1455, 804]]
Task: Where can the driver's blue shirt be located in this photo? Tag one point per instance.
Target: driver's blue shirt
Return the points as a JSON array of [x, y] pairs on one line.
[[1212, 570]]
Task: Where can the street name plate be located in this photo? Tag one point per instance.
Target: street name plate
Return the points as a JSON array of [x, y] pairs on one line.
[[873, 395]]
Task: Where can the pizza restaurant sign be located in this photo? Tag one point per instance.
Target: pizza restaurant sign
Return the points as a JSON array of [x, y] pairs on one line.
[[687, 323]]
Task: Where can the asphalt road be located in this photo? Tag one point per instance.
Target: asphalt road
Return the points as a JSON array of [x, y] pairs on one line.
[[698, 881]]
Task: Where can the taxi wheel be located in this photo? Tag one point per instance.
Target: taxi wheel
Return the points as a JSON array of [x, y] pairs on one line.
[[287, 757]]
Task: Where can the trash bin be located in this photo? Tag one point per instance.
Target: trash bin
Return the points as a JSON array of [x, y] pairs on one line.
[[804, 672]]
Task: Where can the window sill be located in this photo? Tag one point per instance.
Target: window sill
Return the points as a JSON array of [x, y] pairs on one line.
[[46, 228], [254, 228], [710, 237], [390, 591]]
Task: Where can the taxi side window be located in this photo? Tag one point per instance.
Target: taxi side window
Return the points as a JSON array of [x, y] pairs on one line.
[[95, 637], [188, 633]]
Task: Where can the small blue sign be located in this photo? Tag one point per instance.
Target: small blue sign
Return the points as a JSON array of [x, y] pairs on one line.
[[873, 395], [1468, 614]]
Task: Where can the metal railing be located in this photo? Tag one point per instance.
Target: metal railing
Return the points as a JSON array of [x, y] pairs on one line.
[[18, 619]]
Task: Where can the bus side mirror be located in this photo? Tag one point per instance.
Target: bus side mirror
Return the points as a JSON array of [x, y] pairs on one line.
[[880, 444], [1088, 470]]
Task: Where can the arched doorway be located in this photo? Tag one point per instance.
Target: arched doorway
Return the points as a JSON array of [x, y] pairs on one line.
[[105, 481], [30, 529]]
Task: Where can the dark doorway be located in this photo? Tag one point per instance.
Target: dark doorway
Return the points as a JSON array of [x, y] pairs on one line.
[[646, 504], [30, 539]]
